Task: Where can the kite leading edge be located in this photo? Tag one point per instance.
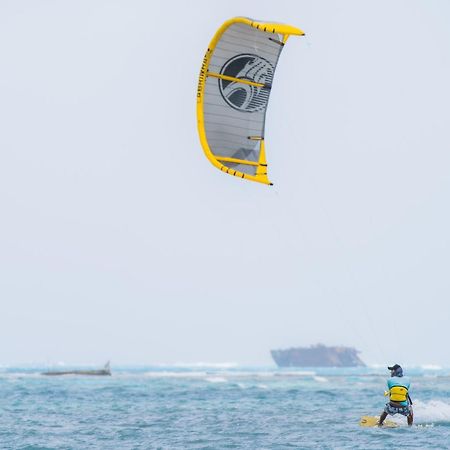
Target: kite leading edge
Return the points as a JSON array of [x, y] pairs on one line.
[[233, 92]]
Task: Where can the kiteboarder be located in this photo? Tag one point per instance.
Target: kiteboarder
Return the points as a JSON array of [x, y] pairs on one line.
[[399, 400]]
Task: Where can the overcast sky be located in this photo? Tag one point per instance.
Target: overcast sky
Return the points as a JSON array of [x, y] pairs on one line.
[[119, 240]]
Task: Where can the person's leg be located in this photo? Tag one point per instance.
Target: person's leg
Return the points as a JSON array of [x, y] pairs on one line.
[[410, 417]]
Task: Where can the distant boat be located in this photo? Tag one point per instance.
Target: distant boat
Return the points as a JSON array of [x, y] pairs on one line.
[[106, 371], [317, 356]]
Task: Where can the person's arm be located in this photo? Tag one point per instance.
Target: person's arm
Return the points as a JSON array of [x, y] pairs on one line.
[[386, 393]]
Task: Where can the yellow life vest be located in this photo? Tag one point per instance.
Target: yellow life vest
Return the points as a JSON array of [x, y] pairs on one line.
[[398, 394]]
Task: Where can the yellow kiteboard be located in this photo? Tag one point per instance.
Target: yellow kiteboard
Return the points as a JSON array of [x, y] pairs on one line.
[[372, 421]]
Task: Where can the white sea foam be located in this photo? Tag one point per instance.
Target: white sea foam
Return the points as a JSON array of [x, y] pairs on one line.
[[431, 411], [321, 379], [201, 364], [246, 374], [295, 373], [430, 367], [216, 379], [214, 372], [259, 374], [377, 366], [174, 374], [13, 376], [271, 374]]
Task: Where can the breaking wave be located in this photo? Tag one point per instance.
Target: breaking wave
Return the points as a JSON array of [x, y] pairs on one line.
[[431, 411]]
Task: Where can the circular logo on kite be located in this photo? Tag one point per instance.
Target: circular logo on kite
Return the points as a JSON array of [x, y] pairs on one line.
[[243, 96]]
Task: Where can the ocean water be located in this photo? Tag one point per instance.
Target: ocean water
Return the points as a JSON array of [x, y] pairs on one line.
[[217, 407]]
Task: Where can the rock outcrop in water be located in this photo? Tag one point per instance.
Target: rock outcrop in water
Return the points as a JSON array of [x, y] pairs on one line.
[[106, 371], [317, 356]]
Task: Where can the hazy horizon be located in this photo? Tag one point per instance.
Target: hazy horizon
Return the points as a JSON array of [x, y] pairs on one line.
[[120, 241]]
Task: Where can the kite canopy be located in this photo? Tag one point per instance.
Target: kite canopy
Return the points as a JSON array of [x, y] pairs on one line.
[[233, 92]]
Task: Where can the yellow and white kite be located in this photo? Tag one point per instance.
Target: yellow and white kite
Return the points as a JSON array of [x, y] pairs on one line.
[[233, 91]]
